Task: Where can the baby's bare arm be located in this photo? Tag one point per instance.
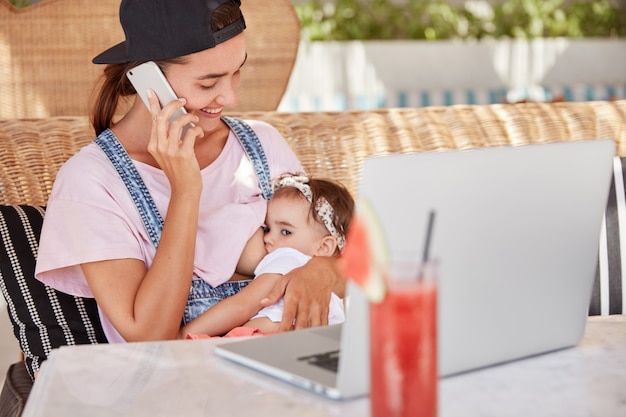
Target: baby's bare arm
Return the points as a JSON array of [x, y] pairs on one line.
[[264, 324]]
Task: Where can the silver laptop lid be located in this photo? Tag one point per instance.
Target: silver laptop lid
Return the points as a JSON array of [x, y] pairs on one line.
[[516, 240]]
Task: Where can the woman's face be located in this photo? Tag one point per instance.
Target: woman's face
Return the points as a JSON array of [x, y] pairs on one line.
[[208, 80]]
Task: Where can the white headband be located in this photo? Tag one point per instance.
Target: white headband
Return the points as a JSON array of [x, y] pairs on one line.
[[324, 210]]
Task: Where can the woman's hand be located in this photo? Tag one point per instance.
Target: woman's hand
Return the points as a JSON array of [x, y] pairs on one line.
[[306, 292], [175, 154]]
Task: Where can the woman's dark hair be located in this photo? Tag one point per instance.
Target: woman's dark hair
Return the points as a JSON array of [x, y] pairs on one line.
[[115, 85]]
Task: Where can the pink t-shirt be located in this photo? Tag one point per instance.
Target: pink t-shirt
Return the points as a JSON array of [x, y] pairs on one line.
[[91, 217]]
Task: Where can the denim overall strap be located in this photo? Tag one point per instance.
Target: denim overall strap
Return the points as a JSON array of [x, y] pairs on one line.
[[251, 144], [113, 149], [153, 222]]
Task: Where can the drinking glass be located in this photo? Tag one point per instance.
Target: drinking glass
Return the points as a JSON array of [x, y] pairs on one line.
[[403, 343]]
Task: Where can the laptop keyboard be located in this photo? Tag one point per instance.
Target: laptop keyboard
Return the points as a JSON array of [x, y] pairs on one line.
[[326, 360]]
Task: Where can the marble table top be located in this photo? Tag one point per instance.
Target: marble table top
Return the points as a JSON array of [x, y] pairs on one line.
[[186, 378]]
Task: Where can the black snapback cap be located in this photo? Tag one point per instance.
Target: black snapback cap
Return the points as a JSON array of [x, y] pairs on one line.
[[163, 29]]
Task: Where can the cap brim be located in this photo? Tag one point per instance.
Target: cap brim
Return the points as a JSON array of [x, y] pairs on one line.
[[113, 55]]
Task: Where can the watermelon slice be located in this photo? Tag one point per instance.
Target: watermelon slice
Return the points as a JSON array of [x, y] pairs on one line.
[[365, 257]]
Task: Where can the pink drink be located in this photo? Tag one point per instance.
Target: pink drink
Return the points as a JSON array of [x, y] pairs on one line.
[[403, 343]]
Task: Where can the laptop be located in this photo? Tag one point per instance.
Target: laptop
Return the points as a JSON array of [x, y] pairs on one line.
[[516, 241]]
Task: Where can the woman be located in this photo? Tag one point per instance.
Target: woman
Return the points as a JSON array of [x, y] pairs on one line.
[[94, 242]]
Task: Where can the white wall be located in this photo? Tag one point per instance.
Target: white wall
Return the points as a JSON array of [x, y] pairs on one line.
[[363, 75]]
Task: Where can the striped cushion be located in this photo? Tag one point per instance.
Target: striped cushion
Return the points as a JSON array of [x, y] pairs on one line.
[[42, 318], [609, 285]]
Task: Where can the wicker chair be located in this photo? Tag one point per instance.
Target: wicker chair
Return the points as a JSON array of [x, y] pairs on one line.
[[48, 71], [272, 39], [329, 144]]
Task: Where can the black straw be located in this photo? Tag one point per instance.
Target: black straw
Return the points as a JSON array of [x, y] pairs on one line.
[[429, 232]]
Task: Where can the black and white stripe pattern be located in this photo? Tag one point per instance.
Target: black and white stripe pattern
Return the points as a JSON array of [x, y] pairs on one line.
[[42, 318], [609, 286]]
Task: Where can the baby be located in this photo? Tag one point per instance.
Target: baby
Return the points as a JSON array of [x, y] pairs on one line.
[[305, 218]]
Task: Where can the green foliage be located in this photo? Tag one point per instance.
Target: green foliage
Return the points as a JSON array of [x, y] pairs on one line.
[[436, 19], [21, 3]]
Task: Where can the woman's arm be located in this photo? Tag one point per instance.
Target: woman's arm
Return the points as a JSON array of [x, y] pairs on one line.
[[233, 311], [148, 304], [307, 292]]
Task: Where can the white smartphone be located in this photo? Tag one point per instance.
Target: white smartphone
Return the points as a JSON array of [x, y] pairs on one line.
[[149, 76]]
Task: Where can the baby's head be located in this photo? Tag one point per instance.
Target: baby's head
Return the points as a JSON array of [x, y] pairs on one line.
[[309, 214]]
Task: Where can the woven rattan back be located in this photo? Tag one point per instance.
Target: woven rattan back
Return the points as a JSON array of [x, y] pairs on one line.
[[331, 145], [272, 38], [31, 153], [335, 144], [46, 51]]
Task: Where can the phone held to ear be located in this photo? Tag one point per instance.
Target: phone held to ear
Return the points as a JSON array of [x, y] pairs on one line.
[[149, 76]]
